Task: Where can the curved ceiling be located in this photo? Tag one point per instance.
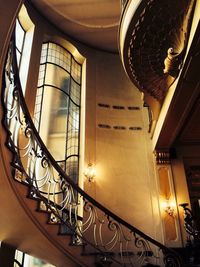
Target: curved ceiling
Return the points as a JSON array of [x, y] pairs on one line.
[[155, 43], [93, 22]]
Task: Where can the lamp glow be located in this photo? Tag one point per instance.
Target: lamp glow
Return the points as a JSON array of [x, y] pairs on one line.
[[90, 172], [169, 207]]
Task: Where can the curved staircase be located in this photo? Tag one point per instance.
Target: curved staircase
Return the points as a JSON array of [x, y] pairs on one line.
[[54, 219]]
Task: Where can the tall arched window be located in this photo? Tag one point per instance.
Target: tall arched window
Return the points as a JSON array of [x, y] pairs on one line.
[[57, 109]]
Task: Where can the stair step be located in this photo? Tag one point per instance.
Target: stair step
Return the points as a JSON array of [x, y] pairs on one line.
[[51, 230], [192, 264]]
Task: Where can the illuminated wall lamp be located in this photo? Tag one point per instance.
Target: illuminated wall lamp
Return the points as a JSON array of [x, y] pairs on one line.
[[90, 172], [169, 207]]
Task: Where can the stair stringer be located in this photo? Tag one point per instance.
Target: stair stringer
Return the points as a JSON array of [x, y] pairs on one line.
[[25, 228]]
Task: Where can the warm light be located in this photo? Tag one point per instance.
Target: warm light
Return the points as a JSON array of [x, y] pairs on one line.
[[90, 172], [168, 206]]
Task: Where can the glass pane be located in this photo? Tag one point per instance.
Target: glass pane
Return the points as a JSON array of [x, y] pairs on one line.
[[43, 58], [38, 106], [54, 134], [55, 76], [76, 71], [19, 35], [73, 127], [65, 85], [73, 131], [34, 262], [19, 256], [72, 145], [18, 57], [41, 75], [59, 56], [75, 92], [72, 168]]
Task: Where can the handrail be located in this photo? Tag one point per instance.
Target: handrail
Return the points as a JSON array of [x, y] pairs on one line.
[[105, 232], [190, 223]]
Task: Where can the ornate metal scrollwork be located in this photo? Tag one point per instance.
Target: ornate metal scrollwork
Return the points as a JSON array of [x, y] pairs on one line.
[[189, 223], [193, 235]]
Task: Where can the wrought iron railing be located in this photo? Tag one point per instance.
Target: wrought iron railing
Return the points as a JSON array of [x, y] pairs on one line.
[[88, 221], [193, 236], [190, 223]]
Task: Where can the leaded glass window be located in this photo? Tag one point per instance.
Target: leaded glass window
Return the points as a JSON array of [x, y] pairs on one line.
[[57, 109]]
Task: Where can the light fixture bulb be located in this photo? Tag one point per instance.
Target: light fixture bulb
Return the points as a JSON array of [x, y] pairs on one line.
[[90, 172], [169, 207]]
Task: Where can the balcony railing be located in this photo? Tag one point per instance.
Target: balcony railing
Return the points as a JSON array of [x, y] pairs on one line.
[[91, 225]]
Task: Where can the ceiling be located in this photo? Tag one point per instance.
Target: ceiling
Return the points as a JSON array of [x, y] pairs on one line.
[[93, 22]]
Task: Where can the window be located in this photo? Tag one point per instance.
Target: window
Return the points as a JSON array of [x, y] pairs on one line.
[[23, 38], [25, 260], [57, 108], [19, 37]]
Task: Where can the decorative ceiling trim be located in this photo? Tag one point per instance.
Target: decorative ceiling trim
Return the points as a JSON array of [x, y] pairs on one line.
[[102, 39], [162, 157], [70, 19], [155, 43]]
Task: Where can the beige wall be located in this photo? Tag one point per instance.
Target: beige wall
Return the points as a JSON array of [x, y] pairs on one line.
[[125, 180]]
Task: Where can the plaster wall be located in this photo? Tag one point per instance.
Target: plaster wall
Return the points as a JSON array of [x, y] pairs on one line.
[[125, 180]]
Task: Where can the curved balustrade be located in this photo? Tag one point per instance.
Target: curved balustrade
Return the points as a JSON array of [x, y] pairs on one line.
[[98, 230], [190, 223]]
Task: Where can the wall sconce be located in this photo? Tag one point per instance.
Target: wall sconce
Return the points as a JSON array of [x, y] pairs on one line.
[[90, 172], [169, 207]]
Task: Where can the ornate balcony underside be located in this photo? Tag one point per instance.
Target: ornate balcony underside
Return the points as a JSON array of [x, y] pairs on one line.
[[153, 41]]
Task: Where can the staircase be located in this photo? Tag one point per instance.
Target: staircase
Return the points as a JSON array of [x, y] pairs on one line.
[[80, 228]]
